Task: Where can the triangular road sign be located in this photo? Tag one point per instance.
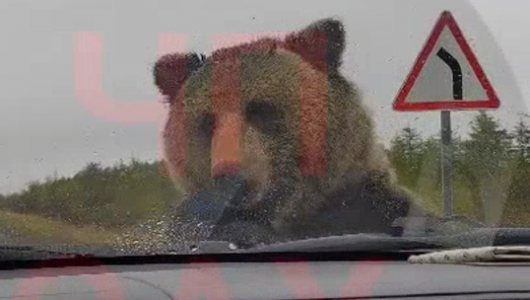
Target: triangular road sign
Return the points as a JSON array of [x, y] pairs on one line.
[[446, 75]]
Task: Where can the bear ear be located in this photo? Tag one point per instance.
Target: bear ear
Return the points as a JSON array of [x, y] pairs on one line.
[[321, 43], [171, 71]]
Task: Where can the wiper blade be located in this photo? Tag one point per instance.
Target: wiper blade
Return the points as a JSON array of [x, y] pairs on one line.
[[26, 252], [350, 243], [344, 243], [411, 234], [370, 242], [42, 252], [478, 237], [200, 214]]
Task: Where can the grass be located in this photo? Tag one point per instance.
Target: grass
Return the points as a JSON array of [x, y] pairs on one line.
[[27, 228], [506, 214]]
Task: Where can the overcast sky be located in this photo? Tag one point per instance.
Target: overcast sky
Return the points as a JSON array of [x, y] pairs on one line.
[[50, 124]]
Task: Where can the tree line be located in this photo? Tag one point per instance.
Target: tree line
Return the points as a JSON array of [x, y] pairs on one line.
[[492, 172], [121, 195]]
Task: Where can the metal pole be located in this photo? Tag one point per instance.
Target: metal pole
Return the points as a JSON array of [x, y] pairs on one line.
[[447, 163]]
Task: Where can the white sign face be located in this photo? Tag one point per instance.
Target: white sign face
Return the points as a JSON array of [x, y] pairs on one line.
[[447, 74]]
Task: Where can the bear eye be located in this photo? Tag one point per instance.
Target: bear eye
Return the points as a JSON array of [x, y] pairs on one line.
[[207, 125], [264, 115]]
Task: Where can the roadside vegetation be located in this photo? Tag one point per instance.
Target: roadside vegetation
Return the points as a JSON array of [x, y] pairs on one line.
[[492, 176]]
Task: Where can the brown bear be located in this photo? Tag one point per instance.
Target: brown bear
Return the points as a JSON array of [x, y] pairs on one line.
[[278, 117]]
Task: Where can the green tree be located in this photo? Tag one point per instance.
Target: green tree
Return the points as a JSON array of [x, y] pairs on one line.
[[518, 201], [521, 139], [406, 153], [485, 162], [116, 196]]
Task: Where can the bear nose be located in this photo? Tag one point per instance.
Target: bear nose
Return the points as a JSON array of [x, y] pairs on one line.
[[226, 169], [226, 144]]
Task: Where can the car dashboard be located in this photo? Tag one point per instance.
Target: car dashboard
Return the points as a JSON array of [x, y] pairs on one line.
[[370, 279]]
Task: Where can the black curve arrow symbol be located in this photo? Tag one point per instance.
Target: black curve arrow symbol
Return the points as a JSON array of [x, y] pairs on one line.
[[456, 70]]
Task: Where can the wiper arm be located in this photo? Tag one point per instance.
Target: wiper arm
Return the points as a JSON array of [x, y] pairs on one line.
[[478, 237], [409, 234], [43, 252], [200, 214], [370, 242], [27, 252], [344, 243], [350, 243]]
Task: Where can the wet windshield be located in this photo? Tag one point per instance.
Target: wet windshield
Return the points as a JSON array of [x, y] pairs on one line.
[[159, 126]]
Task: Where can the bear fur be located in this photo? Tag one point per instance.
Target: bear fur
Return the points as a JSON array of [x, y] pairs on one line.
[[278, 115]]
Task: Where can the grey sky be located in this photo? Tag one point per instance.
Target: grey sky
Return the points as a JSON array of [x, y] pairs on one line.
[[47, 129]]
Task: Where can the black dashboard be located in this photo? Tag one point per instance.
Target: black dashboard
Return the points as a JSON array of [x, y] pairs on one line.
[[270, 281]]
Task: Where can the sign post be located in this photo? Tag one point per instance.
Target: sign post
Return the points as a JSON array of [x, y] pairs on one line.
[[446, 77], [447, 163]]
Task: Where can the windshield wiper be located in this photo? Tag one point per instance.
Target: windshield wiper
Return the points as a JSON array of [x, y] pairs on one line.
[[44, 252], [343, 243], [474, 237], [407, 234], [366, 242], [349, 243]]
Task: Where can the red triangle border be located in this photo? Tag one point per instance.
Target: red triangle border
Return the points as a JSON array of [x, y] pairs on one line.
[[446, 19]]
